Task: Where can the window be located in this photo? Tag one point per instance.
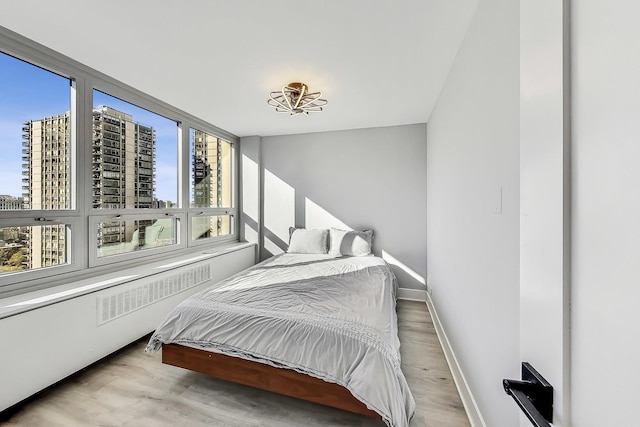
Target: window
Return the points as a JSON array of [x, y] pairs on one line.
[[35, 137], [211, 162], [85, 185], [203, 227], [32, 247], [117, 236], [134, 170], [210, 170], [36, 164]]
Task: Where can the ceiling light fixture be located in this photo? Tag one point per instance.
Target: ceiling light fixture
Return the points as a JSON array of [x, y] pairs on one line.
[[295, 98]]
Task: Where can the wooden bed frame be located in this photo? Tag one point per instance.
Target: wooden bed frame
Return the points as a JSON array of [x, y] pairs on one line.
[[265, 377]]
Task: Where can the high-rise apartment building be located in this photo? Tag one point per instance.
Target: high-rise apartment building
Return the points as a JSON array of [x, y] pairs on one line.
[[123, 161], [46, 184], [123, 175], [46, 163]]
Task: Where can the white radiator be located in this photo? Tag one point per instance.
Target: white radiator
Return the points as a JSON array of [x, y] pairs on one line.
[[112, 305]]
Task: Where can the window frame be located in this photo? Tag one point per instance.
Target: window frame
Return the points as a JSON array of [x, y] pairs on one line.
[[134, 255], [194, 212], [82, 246], [9, 282]]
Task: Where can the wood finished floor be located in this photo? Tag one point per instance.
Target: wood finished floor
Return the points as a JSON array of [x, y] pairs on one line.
[[132, 388]]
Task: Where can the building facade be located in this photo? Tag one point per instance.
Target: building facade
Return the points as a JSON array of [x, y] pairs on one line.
[[10, 202], [123, 161]]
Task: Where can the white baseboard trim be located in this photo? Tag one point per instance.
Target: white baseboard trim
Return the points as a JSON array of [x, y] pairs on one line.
[[412, 294], [470, 405]]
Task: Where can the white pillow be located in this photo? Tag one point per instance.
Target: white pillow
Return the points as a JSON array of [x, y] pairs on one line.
[[303, 241], [350, 243]]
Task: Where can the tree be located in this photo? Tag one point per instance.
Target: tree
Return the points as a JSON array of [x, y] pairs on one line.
[[12, 259]]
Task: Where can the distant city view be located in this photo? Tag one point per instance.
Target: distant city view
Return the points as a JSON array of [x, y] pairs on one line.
[[123, 169]]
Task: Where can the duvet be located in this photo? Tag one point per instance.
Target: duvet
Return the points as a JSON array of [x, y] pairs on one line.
[[329, 317]]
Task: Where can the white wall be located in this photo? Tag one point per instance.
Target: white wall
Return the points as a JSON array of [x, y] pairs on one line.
[[361, 179], [473, 207], [606, 213]]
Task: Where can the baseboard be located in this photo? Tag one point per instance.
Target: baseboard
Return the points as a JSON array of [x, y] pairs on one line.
[[412, 294], [470, 405]]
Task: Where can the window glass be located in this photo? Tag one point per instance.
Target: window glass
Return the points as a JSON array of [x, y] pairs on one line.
[[32, 247], [203, 227], [117, 236], [134, 161], [35, 137], [210, 170]]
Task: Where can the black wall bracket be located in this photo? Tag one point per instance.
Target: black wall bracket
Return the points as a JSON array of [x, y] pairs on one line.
[[534, 395]]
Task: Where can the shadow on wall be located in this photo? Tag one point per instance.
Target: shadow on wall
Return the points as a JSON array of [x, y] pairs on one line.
[[362, 179]]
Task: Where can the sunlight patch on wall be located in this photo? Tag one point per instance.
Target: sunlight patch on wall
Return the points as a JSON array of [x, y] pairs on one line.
[[279, 207], [397, 263], [250, 235], [250, 188], [317, 217]]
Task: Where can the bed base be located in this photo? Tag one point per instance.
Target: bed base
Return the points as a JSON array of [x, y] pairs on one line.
[[265, 377]]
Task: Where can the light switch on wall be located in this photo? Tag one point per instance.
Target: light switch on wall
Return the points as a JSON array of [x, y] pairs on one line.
[[497, 200]]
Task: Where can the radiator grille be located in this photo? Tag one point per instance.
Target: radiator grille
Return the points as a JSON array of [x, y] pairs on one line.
[[146, 291]]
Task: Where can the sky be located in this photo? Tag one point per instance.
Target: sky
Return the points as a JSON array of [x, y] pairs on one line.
[[31, 93]]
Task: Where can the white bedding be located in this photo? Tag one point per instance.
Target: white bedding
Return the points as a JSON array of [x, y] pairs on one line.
[[329, 317]]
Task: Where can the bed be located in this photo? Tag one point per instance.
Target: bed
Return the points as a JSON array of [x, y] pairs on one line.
[[319, 327]]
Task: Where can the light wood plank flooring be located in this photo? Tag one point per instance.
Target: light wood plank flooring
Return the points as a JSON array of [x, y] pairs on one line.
[[132, 388]]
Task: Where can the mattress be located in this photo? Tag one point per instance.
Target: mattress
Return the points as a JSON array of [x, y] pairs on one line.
[[329, 317]]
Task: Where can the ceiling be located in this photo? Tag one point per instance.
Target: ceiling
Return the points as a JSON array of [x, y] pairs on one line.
[[377, 62]]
